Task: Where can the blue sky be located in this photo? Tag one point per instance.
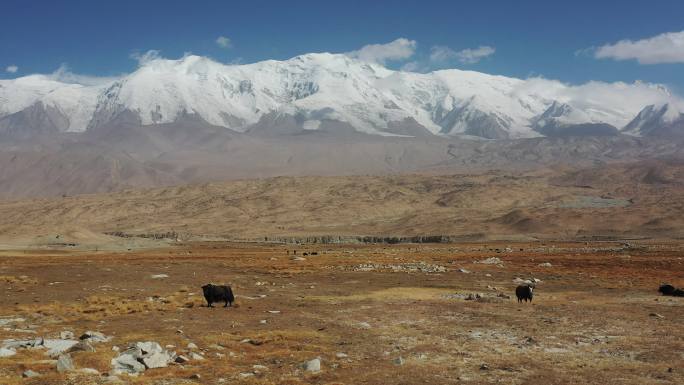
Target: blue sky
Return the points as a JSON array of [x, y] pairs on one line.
[[557, 40]]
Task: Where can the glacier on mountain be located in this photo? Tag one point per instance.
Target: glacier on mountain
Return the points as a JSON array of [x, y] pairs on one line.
[[319, 88]]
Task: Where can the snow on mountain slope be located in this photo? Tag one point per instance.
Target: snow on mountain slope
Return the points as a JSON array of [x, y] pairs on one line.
[[653, 119], [314, 88], [75, 102]]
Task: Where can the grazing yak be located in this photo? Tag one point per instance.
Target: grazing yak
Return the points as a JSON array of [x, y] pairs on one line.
[[666, 289], [524, 292], [218, 293]]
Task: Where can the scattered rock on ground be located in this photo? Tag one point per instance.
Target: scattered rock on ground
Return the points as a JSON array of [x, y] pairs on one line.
[[141, 356], [491, 261], [30, 374]]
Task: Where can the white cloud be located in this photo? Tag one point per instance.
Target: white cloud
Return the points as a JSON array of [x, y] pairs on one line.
[[474, 55], [224, 42], [399, 49], [412, 66], [441, 54], [12, 69], [663, 48], [624, 99], [144, 58], [63, 74]]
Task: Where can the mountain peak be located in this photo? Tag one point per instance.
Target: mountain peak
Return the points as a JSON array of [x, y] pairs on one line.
[[317, 87]]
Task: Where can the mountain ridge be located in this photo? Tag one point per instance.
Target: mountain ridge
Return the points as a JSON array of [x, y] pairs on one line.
[[326, 87]]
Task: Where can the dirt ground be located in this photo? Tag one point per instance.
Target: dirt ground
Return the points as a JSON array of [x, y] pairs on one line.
[[374, 314]]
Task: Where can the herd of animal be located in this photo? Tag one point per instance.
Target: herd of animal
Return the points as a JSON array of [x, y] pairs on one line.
[[224, 293]]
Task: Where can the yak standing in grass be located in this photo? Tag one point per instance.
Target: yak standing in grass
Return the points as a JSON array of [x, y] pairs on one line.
[[218, 293], [524, 292]]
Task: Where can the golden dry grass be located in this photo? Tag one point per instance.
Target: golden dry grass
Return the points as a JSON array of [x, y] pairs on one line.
[[590, 322]]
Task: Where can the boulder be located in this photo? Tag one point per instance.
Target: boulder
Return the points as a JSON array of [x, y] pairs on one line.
[[157, 360], [65, 364], [312, 365], [7, 352], [148, 347], [128, 364], [57, 347]]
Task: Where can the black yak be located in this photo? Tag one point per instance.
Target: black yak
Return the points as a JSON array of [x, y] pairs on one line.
[[666, 289], [524, 292], [218, 293]]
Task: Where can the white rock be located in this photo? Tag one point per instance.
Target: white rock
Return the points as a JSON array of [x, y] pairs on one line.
[[149, 347], [30, 373], [192, 345], [127, 363], [341, 355], [64, 363], [181, 359], [57, 347], [90, 371], [159, 276], [491, 261], [157, 360], [313, 365], [6, 352], [195, 356]]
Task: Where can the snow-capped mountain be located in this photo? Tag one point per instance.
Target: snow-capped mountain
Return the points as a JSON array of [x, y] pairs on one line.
[[656, 121], [561, 119], [327, 91]]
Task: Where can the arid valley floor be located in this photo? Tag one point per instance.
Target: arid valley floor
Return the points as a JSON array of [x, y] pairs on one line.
[[374, 314]]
